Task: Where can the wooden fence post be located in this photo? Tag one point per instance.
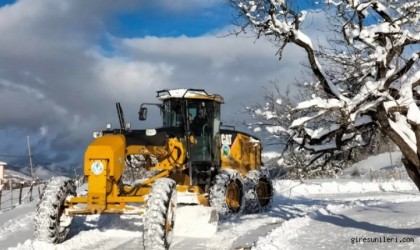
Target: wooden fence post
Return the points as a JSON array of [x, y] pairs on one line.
[[20, 193], [30, 192]]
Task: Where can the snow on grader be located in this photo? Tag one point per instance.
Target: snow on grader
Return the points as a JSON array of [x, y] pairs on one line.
[[192, 161]]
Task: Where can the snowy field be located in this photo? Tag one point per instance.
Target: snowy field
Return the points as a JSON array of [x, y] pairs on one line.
[[318, 214]]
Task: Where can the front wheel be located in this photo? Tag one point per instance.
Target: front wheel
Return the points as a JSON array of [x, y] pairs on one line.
[[227, 193], [159, 218], [51, 223]]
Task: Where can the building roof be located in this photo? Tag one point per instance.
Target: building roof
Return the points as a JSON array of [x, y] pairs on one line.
[[3, 163]]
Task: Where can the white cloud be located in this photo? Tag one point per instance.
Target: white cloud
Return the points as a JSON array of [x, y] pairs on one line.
[[6, 84], [130, 78], [237, 67], [218, 52]]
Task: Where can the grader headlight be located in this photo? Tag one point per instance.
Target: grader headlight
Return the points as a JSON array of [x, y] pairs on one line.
[[97, 167]]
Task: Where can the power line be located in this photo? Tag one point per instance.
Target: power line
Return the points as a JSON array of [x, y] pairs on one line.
[[16, 156]]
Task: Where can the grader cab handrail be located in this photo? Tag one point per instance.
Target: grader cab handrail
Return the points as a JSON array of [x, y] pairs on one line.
[[168, 92]]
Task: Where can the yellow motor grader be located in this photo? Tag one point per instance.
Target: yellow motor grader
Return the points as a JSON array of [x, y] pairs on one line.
[[192, 156]]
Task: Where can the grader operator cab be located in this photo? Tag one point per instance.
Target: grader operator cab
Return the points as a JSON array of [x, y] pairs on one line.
[[191, 160]]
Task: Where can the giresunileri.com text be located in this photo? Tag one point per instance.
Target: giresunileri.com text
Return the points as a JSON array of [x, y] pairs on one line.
[[381, 239]]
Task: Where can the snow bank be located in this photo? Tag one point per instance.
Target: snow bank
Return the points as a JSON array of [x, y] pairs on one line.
[[314, 187], [270, 155], [381, 162]]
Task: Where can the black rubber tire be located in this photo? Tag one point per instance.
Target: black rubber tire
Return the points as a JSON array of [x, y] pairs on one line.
[[159, 217], [51, 223], [258, 191], [227, 202]]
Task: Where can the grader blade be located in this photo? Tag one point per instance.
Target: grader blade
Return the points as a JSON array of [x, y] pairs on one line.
[[196, 221]]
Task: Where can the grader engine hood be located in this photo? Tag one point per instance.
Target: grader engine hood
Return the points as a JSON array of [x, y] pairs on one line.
[[240, 151], [104, 163]]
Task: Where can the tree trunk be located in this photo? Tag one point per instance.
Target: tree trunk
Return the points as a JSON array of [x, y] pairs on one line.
[[411, 159], [412, 171]]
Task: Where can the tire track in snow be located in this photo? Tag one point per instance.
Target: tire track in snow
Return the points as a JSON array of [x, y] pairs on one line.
[[96, 232], [103, 240], [92, 239], [106, 232], [247, 240]]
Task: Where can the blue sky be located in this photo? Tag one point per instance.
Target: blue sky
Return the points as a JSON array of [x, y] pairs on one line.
[[151, 19], [151, 22], [64, 64], [5, 2]]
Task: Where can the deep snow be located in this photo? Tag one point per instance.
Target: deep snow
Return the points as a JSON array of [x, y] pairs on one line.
[[316, 214]]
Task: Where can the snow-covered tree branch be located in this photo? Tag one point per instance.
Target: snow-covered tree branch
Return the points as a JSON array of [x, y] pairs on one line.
[[369, 75]]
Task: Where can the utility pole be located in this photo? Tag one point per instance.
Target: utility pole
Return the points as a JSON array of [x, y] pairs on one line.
[[30, 158]]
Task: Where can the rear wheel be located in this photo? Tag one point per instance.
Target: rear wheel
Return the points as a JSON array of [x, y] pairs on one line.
[[159, 218], [227, 193], [259, 191], [51, 223]]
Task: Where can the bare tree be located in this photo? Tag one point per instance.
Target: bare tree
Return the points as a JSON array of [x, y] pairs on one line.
[[372, 75], [275, 116]]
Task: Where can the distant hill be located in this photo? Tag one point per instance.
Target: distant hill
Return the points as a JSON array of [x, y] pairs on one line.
[[16, 178], [44, 172], [8, 173]]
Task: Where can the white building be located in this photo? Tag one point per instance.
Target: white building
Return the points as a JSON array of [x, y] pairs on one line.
[[2, 165]]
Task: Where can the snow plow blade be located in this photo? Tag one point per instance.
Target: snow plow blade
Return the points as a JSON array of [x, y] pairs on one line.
[[195, 221]]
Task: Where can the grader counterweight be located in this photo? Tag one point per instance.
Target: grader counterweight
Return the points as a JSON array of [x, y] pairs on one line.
[[190, 160]]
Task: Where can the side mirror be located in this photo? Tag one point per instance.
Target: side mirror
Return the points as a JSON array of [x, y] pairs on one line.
[[142, 114]]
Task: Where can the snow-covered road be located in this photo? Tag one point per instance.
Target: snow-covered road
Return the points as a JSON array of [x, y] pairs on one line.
[[382, 226], [321, 214], [362, 221]]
